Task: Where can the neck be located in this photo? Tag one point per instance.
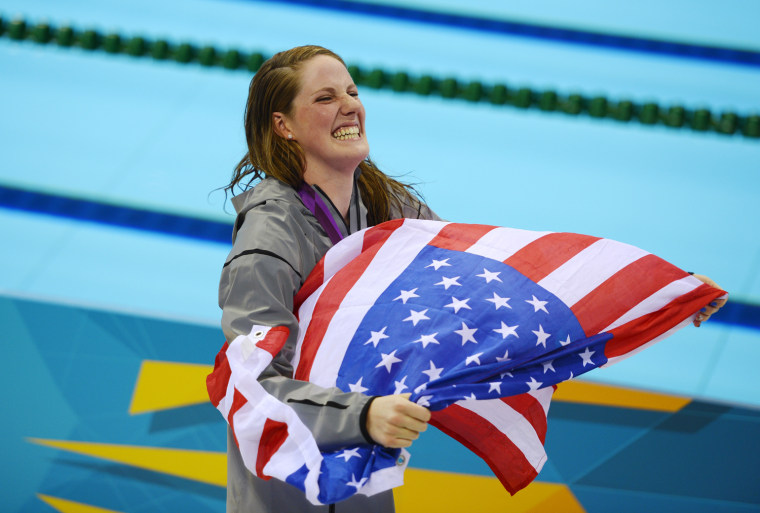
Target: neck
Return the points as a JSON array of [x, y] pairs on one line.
[[337, 186]]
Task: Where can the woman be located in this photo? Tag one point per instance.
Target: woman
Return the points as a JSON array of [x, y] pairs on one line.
[[307, 142]]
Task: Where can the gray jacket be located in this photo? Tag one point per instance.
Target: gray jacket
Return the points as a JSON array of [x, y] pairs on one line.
[[277, 241]]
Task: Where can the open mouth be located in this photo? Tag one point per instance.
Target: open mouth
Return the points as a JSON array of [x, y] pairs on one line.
[[346, 133]]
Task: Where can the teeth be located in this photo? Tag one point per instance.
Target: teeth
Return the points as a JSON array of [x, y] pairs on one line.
[[345, 133]]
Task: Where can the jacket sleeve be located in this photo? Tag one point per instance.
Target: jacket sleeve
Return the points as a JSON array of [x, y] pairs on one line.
[[257, 286]]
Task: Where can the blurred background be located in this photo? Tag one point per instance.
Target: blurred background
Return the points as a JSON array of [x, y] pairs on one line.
[[120, 122]]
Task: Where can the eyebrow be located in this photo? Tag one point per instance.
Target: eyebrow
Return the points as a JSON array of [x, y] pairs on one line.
[[329, 89]]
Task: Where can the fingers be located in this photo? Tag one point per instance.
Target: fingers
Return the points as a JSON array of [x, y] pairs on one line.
[[713, 307], [394, 421]]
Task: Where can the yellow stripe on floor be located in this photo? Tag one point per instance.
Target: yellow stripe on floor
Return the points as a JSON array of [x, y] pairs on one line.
[[204, 466], [64, 506], [165, 385], [609, 395], [447, 492]]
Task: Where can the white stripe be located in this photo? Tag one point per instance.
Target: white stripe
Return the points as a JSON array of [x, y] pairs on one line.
[[386, 478], [544, 397], [588, 269], [657, 300], [502, 243], [513, 425], [399, 250], [342, 253]]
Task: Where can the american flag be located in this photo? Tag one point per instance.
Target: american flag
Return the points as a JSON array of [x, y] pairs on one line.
[[478, 323]]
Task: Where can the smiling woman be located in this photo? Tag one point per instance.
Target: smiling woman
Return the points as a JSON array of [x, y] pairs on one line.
[[307, 144]]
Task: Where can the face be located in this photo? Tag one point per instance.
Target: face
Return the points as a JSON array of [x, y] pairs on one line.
[[327, 118]]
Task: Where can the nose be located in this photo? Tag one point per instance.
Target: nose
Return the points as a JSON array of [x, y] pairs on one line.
[[349, 104]]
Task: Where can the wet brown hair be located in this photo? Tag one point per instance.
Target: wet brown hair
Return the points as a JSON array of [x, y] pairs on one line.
[[272, 89]]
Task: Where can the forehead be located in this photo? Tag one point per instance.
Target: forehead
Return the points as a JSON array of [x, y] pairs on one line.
[[322, 72]]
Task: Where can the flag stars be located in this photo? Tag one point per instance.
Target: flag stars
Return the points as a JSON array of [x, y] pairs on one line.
[[586, 356], [433, 372], [496, 385], [376, 337], [357, 387], [489, 276], [401, 385], [548, 366], [356, 484], [467, 334], [472, 358], [533, 384], [499, 301], [347, 454], [504, 358], [437, 264], [417, 316], [449, 282], [387, 360], [506, 331], [457, 304], [406, 295], [537, 305], [565, 342], [427, 339], [541, 336]]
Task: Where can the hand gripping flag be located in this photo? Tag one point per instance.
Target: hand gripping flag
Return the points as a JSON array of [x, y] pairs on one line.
[[478, 323]]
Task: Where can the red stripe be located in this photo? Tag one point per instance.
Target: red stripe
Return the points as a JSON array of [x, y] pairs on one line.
[[216, 382], [272, 437], [539, 258], [639, 331], [331, 298], [312, 283], [274, 340], [629, 286], [484, 439], [460, 237], [531, 409], [380, 233], [238, 401]]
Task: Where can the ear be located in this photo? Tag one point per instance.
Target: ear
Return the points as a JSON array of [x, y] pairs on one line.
[[281, 126]]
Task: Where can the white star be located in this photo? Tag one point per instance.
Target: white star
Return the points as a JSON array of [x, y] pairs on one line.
[[548, 366], [387, 360], [499, 301], [457, 304], [356, 484], [400, 385], [407, 294], [566, 341], [496, 385], [427, 339], [506, 331], [433, 372], [504, 358], [467, 334], [357, 387], [377, 336], [424, 400], [350, 453], [474, 358], [416, 316], [439, 263], [541, 335], [571, 376], [489, 276], [448, 282], [533, 384], [538, 305], [470, 397], [506, 374], [586, 355]]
